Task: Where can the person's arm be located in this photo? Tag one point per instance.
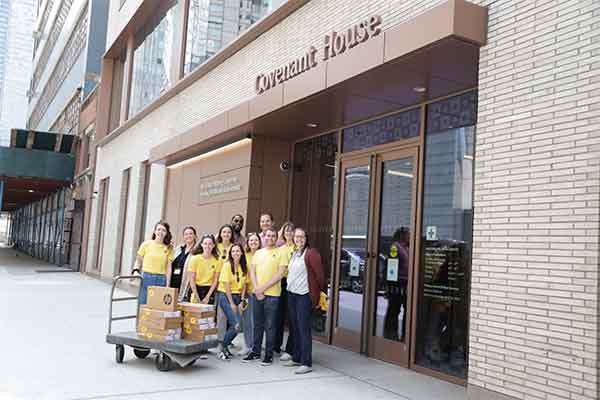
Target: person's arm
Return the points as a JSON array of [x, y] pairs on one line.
[[259, 295], [184, 278], [192, 283], [276, 278], [137, 265], [213, 287], [169, 272], [316, 264]]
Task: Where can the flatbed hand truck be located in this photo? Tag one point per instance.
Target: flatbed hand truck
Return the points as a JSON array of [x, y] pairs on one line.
[[182, 352]]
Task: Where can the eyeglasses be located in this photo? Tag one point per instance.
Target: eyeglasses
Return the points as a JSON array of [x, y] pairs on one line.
[[237, 220]]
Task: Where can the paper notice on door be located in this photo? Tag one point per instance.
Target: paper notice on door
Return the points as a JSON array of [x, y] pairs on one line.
[[354, 266], [392, 269]]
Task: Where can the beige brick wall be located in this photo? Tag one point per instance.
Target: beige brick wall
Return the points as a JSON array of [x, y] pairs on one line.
[[534, 294], [534, 297]]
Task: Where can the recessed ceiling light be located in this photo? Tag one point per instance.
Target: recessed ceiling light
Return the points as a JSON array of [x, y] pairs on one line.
[[31, 191], [312, 125], [420, 89]]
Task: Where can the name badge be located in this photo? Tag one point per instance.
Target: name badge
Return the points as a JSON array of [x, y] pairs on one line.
[[177, 271]]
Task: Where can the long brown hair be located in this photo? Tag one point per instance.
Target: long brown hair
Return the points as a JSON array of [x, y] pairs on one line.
[[168, 236], [243, 262]]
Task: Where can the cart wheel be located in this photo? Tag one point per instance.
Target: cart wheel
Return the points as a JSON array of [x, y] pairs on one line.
[[141, 353], [119, 353], [163, 362]]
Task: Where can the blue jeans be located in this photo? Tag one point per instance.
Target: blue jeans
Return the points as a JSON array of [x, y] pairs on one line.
[[149, 279], [300, 313], [248, 322], [233, 318], [265, 319]]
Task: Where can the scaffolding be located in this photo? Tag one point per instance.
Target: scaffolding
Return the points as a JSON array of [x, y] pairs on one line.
[[41, 229]]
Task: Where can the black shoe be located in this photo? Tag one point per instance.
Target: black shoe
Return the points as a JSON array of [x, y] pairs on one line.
[[227, 352], [267, 361], [252, 356], [223, 356]]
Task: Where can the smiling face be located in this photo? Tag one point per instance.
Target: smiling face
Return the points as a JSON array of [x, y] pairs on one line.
[[265, 222], [299, 238], [236, 253], [226, 235], [189, 237], [270, 238], [254, 243], [288, 234], [207, 246]]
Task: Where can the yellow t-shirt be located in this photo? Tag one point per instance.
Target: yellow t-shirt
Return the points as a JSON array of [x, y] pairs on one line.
[[156, 256], [286, 251], [267, 263], [204, 269], [223, 252], [236, 281]]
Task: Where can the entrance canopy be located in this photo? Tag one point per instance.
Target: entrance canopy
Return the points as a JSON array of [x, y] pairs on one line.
[[36, 164]]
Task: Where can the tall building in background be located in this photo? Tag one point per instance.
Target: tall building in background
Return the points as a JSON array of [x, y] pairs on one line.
[[16, 46], [212, 24]]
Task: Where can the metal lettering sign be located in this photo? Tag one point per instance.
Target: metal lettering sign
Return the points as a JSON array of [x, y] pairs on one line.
[[219, 187], [334, 43]]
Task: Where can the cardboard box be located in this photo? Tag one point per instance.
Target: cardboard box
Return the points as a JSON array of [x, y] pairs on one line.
[[142, 328], [197, 310], [160, 323], [162, 298], [199, 323], [158, 337], [198, 335], [156, 314]]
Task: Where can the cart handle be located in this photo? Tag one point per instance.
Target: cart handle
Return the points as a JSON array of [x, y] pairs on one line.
[[116, 279]]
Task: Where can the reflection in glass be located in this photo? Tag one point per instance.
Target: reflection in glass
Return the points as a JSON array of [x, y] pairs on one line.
[[394, 249], [354, 247], [446, 238], [312, 203], [212, 24], [153, 58]]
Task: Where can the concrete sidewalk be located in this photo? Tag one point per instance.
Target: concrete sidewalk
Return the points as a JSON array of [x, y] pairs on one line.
[[53, 335]]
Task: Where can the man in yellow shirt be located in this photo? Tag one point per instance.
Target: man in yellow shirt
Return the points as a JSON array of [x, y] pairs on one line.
[[266, 270]]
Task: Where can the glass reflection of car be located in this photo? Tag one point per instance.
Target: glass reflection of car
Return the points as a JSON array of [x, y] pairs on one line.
[[348, 282]]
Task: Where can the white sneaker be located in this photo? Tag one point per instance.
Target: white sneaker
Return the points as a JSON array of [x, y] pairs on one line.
[[304, 369], [291, 363], [243, 351], [285, 357]]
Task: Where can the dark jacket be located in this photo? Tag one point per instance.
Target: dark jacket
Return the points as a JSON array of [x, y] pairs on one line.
[[316, 275]]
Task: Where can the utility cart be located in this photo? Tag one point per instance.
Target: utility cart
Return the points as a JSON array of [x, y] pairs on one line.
[[182, 352]]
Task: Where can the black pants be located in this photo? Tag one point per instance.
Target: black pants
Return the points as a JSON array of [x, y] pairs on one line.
[[282, 318], [203, 291], [265, 318]]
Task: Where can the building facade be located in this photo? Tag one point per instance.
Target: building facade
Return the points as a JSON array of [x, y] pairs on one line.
[[442, 155], [70, 38], [16, 46]]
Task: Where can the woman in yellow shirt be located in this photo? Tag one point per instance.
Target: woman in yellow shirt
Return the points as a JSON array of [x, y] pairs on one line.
[[285, 245], [155, 257], [232, 289], [224, 243], [253, 243], [204, 268]]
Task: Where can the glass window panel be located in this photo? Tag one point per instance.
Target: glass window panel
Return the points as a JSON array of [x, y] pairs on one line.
[[153, 59], [383, 130], [447, 233]]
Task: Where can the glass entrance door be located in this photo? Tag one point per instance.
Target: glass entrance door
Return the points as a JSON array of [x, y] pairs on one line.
[[375, 249], [393, 239]]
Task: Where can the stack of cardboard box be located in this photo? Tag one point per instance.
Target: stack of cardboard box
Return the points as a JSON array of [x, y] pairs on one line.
[[160, 319], [198, 322]]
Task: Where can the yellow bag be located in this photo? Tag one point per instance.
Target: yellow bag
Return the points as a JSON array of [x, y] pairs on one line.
[[323, 303]]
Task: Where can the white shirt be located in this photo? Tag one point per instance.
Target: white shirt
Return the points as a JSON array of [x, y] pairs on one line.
[[297, 280]]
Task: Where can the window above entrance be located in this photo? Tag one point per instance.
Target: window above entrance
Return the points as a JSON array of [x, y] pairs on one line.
[[384, 130]]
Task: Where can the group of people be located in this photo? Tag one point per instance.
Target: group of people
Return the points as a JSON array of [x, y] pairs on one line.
[[258, 282]]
